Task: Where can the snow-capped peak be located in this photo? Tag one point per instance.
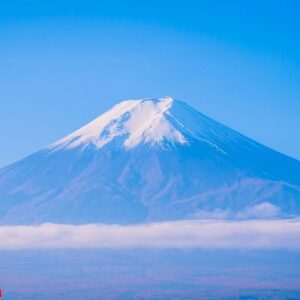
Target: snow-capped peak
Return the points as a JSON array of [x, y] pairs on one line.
[[159, 123], [145, 121]]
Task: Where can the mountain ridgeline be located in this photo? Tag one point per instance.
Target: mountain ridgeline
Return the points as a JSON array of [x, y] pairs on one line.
[[150, 160]]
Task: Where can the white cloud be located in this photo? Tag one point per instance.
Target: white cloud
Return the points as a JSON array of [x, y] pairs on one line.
[[260, 211], [213, 234]]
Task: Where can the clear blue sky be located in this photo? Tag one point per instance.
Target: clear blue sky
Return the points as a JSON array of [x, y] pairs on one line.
[[62, 63]]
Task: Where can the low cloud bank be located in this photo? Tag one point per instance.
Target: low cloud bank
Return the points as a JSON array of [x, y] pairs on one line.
[[209, 234], [261, 211]]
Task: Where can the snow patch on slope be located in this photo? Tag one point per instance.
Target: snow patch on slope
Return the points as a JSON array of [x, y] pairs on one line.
[[137, 121]]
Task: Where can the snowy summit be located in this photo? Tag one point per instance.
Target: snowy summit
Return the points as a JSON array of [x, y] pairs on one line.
[[148, 121], [156, 122]]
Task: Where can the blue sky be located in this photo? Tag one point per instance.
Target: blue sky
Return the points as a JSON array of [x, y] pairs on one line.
[[62, 63]]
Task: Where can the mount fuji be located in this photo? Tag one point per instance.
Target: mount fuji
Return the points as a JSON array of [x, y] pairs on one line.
[[150, 160]]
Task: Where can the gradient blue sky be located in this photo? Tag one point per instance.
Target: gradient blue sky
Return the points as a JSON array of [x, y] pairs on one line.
[[62, 63]]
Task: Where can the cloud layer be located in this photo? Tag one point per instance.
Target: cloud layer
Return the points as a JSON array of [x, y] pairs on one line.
[[209, 234]]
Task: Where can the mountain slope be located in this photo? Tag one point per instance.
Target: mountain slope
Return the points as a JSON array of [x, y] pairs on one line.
[[150, 160]]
